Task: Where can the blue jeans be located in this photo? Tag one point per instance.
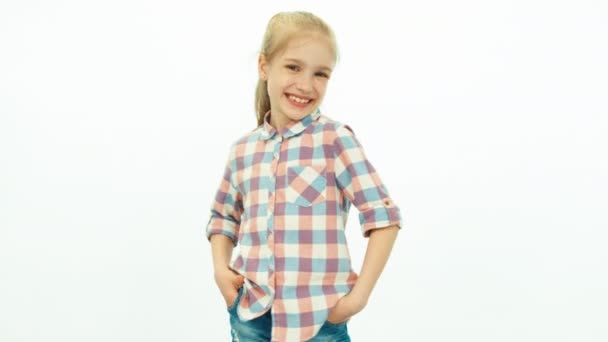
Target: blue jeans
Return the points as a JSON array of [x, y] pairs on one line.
[[258, 329]]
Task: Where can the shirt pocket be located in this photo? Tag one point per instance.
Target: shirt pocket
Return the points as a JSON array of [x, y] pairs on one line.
[[306, 184]]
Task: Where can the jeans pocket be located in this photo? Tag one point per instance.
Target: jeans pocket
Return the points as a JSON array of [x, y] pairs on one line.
[[236, 300], [340, 324]]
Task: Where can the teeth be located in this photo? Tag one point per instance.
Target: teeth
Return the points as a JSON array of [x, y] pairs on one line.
[[297, 99]]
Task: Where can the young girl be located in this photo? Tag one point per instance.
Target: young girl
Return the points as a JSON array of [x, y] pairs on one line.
[[285, 196]]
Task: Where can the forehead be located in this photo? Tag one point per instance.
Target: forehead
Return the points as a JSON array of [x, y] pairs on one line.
[[313, 49]]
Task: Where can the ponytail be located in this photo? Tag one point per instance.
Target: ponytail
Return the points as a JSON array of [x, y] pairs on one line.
[[262, 100]]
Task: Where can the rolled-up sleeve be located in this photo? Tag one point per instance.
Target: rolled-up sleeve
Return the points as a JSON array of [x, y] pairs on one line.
[[227, 205], [360, 183]]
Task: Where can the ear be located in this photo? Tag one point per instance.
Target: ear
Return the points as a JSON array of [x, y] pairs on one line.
[[262, 67]]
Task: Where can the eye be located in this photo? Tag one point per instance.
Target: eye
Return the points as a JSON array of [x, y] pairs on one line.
[[322, 74], [292, 67]]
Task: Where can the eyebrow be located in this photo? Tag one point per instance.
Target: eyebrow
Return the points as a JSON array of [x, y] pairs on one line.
[[323, 67]]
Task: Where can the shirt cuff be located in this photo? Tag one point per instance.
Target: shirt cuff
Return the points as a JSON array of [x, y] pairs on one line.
[[380, 216], [218, 225]]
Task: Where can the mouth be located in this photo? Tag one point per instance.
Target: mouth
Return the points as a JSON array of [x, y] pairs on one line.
[[298, 101]]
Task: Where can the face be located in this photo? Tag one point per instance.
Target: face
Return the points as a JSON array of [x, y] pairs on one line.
[[297, 77]]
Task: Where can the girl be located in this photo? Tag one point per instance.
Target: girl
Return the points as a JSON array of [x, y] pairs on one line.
[[285, 196]]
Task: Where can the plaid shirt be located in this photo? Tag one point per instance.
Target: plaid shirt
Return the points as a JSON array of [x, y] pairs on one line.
[[284, 199]]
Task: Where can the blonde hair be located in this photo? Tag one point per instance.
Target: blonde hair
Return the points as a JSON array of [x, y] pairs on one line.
[[281, 28]]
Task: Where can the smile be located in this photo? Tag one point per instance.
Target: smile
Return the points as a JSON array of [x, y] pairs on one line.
[[298, 99]]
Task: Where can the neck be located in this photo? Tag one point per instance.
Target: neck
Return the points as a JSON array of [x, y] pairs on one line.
[[278, 122]]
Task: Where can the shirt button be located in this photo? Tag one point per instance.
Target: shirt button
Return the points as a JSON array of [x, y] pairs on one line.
[[276, 154]]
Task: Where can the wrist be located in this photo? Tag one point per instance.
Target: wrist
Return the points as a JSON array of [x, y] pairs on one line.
[[359, 296], [220, 268]]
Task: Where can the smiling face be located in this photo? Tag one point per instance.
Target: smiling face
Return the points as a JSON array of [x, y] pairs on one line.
[[297, 78]]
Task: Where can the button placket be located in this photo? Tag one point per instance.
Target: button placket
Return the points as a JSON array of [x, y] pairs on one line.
[[273, 185], [271, 204]]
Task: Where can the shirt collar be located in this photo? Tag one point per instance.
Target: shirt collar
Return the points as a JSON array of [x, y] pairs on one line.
[[292, 128]]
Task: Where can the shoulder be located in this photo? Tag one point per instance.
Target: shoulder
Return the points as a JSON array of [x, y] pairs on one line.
[[238, 144], [247, 137], [334, 127], [340, 135]]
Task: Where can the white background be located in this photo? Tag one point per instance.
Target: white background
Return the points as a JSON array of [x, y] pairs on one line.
[[487, 121]]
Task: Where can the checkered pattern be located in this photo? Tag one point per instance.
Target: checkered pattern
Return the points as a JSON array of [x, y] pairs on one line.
[[284, 200]]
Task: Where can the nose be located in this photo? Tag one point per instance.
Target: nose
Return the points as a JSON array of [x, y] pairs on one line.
[[304, 84]]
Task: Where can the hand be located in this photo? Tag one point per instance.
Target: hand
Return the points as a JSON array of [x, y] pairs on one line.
[[345, 308], [228, 282]]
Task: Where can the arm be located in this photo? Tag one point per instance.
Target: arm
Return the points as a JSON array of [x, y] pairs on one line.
[[227, 206], [379, 247], [221, 251], [361, 184], [227, 281], [222, 232], [379, 217]]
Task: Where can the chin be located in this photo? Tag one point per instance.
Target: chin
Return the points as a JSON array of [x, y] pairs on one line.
[[298, 116]]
